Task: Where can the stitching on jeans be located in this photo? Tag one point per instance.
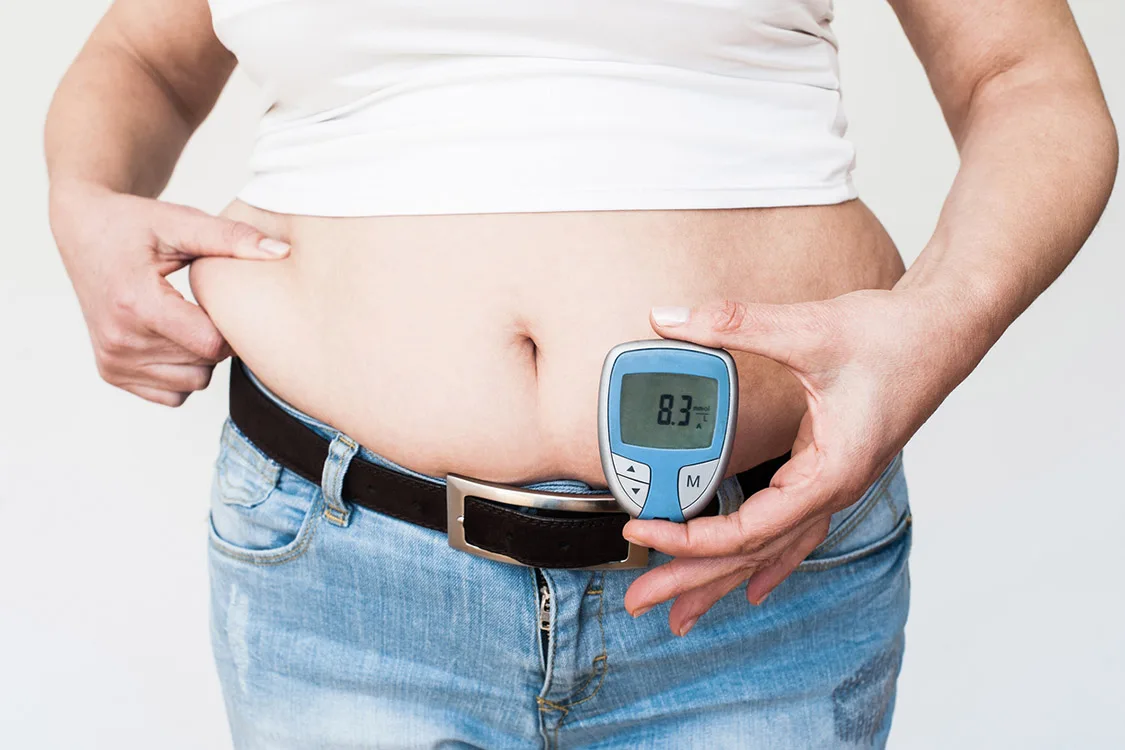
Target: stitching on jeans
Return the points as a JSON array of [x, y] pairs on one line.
[[601, 670], [818, 565], [330, 480], [877, 493], [261, 468], [545, 706], [300, 544], [601, 667], [253, 458], [600, 664], [336, 510], [229, 492], [260, 484], [854, 521], [603, 657], [243, 446]]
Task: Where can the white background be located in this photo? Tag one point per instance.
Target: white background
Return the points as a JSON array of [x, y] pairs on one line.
[[1016, 636]]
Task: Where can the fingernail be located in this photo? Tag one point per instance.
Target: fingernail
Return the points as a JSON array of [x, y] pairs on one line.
[[688, 626], [273, 247], [761, 599], [641, 611], [671, 316]]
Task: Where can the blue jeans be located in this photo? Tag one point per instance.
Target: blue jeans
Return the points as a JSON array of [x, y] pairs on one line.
[[371, 632]]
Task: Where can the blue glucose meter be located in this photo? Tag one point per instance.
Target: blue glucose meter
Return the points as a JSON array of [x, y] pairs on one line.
[[666, 420]]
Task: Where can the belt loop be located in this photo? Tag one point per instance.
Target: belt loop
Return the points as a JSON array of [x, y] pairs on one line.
[[340, 454]]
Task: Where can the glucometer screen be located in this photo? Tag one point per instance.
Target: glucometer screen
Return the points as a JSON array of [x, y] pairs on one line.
[[668, 410]]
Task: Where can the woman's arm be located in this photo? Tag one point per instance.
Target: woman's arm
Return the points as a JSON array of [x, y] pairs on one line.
[[1039, 156], [148, 76], [145, 80]]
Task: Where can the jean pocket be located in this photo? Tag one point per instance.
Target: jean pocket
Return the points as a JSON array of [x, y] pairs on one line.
[[875, 521], [260, 511]]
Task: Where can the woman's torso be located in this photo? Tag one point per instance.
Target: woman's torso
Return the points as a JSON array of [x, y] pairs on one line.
[[474, 343]]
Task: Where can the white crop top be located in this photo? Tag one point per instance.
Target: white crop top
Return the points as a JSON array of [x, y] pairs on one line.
[[386, 107]]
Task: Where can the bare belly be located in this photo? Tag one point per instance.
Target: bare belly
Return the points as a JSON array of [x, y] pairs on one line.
[[474, 344]]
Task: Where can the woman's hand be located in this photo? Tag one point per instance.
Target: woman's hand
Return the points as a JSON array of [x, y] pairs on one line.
[[118, 249], [874, 365]]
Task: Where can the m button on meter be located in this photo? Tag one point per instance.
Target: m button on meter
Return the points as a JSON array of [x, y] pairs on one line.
[[693, 480]]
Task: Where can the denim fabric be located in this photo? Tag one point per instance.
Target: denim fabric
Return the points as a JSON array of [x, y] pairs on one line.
[[336, 627]]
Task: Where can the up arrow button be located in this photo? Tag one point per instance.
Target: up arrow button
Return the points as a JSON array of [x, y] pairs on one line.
[[631, 469]]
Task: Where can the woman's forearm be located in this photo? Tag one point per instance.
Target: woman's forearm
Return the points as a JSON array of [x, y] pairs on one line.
[[149, 75], [128, 104], [1038, 161]]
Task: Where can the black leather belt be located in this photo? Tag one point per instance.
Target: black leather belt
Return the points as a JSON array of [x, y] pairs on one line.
[[483, 518]]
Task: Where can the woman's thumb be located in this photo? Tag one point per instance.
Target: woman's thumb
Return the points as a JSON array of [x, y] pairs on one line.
[[785, 333], [197, 234]]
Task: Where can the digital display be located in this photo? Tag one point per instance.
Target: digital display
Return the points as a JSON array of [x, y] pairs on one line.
[[668, 410]]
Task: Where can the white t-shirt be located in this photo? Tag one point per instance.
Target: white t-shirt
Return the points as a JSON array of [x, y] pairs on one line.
[[383, 107]]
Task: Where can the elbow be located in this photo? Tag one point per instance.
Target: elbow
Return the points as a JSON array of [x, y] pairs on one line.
[[1105, 154], [1113, 149], [1065, 116], [1093, 150]]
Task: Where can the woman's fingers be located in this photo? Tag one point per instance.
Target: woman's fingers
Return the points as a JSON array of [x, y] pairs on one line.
[[835, 348], [708, 536], [175, 378], [159, 346], [799, 491], [796, 335], [697, 583], [184, 232], [168, 384], [684, 574], [764, 517], [186, 325], [117, 249], [766, 579], [156, 395], [692, 605], [680, 576]]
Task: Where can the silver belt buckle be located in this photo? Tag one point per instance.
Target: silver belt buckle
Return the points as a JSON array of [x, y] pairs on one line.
[[458, 487]]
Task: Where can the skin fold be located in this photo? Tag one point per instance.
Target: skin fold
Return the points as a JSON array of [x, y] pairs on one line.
[[474, 343]]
